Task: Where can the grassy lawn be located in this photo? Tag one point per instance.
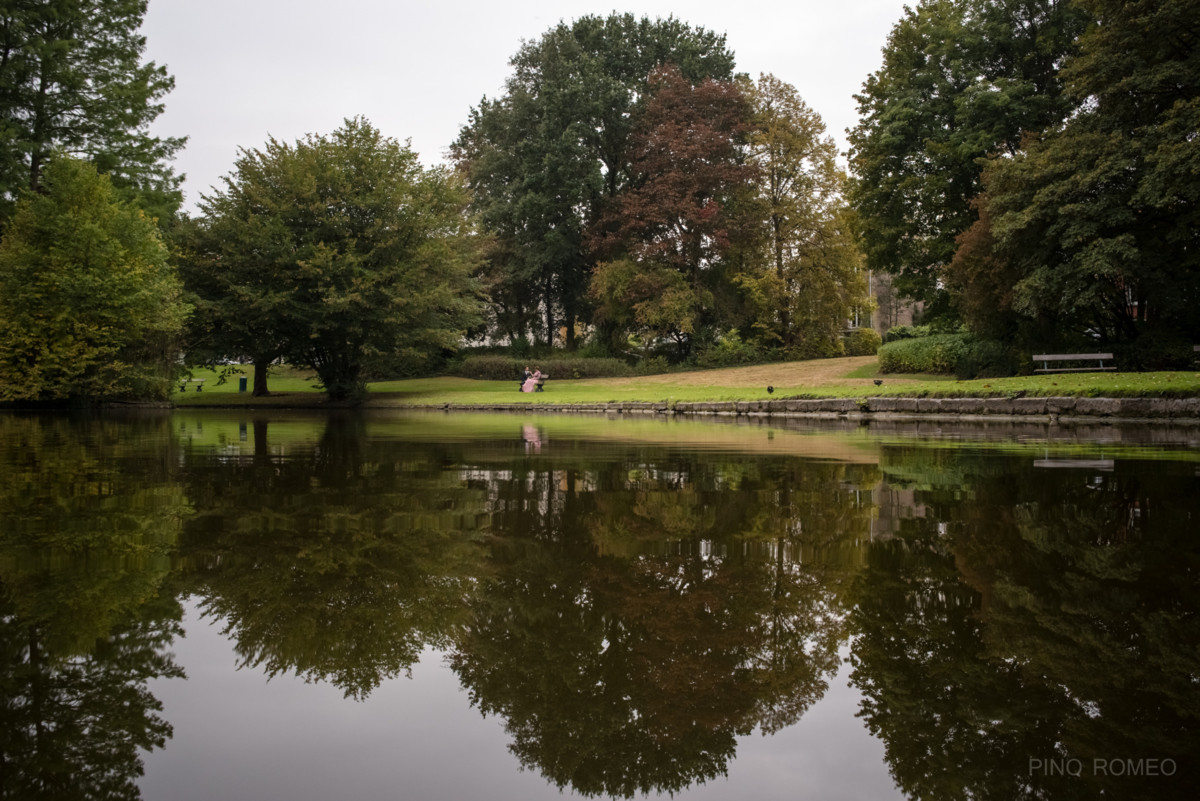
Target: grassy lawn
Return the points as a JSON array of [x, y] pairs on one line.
[[823, 378]]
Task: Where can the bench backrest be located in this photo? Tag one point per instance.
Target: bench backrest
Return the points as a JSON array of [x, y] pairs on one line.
[[1063, 357]]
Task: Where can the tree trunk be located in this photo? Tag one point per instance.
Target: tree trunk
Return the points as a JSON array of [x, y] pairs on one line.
[[569, 322], [549, 316], [262, 451], [785, 321], [261, 365]]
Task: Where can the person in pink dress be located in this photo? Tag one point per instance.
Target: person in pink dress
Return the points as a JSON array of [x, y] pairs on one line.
[[531, 382]]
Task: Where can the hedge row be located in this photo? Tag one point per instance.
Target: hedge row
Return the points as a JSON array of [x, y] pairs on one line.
[[959, 354], [507, 368]]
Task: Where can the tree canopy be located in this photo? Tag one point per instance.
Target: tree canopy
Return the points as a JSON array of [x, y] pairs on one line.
[[1094, 222], [682, 214], [810, 277], [72, 80], [89, 306], [961, 79], [338, 252], [546, 157]]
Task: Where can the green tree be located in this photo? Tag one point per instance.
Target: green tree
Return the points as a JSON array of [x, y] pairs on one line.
[[339, 252], [72, 81], [1096, 220], [548, 155], [89, 306], [812, 277], [961, 79]]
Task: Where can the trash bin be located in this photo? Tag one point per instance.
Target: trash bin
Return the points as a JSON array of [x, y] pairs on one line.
[[242, 384]]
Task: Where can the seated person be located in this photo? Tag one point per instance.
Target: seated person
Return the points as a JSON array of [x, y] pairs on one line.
[[531, 382]]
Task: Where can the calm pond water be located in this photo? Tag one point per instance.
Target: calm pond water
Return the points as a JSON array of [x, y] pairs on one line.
[[204, 605]]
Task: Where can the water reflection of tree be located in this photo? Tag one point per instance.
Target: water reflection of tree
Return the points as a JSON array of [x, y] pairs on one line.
[[89, 516], [1052, 617], [644, 615], [340, 562]]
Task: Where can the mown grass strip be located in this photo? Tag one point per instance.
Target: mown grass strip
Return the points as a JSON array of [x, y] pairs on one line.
[[296, 388]]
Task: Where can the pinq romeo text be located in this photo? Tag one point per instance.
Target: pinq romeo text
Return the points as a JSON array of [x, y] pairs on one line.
[[1143, 766]]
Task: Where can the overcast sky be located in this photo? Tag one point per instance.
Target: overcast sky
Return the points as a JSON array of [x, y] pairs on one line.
[[249, 69]]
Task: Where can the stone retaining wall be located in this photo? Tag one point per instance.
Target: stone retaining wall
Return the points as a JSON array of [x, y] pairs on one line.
[[1043, 409]]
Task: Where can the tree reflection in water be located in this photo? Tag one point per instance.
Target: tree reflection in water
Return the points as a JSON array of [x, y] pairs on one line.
[[1049, 618], [638, 620], [628, 610], [341, 562], [87, 525]]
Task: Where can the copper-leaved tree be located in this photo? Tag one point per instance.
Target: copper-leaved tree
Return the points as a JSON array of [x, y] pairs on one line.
[[673, 233]]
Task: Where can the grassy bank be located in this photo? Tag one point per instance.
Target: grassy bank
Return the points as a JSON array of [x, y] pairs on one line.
[[825, 378]]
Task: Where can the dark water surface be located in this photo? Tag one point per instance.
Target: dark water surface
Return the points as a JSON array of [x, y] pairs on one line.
[[205, 605]]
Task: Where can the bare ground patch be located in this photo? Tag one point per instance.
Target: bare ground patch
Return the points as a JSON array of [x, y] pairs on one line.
[[814, 373]]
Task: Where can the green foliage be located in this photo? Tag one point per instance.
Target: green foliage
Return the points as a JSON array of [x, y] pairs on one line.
[[985, 358], [338, 252], [729, 351], [961, 79], [804, 276], [545, 158], [906, 332], [863, 342], [652, 365], [72, 80], [964, 355], [89, 307], [1156, 348], [1094, 221], [648, 302], [506, 368], [939, 353]]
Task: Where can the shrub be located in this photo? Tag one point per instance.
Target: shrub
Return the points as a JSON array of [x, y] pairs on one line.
[[655, 365], [1156, 350], [937, 353], [728, 351], [987, 358], [897, 332], [816, 348], [507, 368], [863, 342], [963, 355]]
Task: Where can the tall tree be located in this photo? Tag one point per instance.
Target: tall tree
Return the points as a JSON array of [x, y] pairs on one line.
[[684, 211], [89, 306], [339, 252], [545, 158], [1097, 218], [961, 79], [812, 277], [72, 80]]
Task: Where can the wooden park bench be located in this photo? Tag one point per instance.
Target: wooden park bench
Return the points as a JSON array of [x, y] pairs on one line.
[[199, 382], [1095, 362]]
